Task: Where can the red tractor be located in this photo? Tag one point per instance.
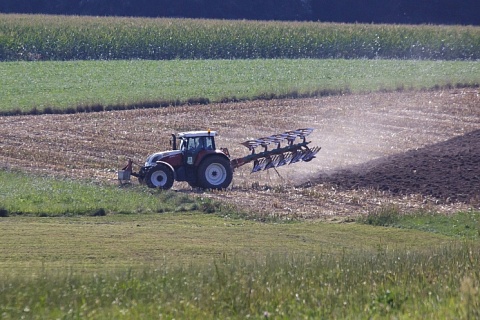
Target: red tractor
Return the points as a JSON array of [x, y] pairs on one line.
[[196, 160]]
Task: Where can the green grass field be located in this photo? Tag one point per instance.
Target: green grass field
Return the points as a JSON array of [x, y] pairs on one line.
[[190, 265], [162, 255], [63, 85], [138, 240]]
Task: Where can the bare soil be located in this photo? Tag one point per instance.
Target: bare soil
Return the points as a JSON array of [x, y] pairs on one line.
[[414, 150]]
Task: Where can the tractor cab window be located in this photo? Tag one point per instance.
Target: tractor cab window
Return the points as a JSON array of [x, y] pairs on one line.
[[209, 143], [195, 144], [200, 143]]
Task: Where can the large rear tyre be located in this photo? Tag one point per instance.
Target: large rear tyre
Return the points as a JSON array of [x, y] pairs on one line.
[[214, 172], [160, 176]]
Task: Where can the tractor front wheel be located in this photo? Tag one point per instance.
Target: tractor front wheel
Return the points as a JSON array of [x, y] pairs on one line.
[[214, 172], [160, 176]]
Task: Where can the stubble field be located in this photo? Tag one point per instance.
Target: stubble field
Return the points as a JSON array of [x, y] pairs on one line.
[[414, 150]]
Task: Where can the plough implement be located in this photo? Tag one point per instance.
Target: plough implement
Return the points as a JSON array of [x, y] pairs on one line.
[[278, 156], [197, 161]]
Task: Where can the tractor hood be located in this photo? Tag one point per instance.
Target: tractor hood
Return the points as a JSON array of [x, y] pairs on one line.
[[153, 158]]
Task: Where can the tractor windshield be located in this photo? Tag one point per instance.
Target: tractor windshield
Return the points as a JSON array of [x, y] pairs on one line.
[[200, 143]]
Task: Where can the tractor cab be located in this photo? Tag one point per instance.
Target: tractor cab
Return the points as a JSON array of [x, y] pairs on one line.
[[195, 142]]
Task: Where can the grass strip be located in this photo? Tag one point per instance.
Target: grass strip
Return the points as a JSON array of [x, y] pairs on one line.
[[26, 194], [461, 224], [83, 86]]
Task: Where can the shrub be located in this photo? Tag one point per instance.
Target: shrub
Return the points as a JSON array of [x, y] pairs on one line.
[[385, 216], [98, 213], [3, 212]]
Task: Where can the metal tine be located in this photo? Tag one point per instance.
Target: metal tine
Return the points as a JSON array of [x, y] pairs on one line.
[[305, 132], [269, 165], [301, 133], [315, 150], [265, 142], [278, 158], [278, 138], [272, 163], [259, 165], [311, 153], [256, 167], [297, 156], [264, 163], [282, 136], [291, 136], [284, 159], [305, 154], [251, 144], [292, 132]]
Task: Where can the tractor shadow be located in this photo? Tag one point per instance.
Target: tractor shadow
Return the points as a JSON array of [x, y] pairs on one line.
[[448, 171]]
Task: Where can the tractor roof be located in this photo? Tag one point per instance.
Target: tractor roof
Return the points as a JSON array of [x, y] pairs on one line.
[[192, 134]]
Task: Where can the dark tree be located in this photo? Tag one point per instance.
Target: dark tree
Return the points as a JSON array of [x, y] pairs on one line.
[[366, 11]]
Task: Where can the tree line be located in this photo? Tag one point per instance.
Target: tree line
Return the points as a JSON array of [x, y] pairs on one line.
[[464, 12]]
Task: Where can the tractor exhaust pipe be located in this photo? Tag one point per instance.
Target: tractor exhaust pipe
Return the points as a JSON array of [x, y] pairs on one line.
[[173, 142]]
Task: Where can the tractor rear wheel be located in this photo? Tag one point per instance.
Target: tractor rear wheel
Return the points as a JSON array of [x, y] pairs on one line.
[[160, 176], [214, 172]]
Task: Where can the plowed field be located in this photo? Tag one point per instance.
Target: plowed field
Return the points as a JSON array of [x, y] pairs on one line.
[[414, 150]]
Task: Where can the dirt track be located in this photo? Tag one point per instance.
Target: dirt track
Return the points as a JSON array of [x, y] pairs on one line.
[[412, 149]]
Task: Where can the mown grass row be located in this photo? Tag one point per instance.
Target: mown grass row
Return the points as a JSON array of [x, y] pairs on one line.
[[437, 283], [39, 37]]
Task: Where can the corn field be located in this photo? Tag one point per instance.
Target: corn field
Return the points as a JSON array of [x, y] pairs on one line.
[[41, 37]]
